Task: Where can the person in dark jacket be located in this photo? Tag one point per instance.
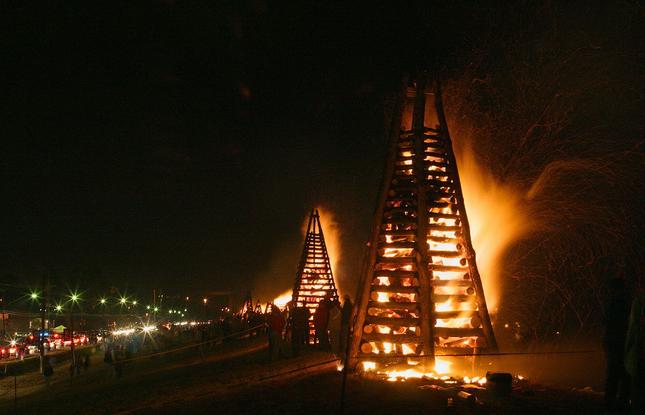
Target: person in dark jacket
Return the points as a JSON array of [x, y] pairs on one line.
[[48, 371], [617, 318], [276, 327], [321, 320], [635, 353], [299, 328], [86, 362], [348, 308]]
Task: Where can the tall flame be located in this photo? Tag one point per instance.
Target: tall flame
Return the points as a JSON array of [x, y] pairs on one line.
[[497, 218]]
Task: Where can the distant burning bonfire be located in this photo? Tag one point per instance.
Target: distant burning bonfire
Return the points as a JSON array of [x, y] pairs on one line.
[[314, 279], [421, 295]]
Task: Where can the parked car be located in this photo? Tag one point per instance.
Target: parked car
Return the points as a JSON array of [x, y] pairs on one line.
[[9, 349]]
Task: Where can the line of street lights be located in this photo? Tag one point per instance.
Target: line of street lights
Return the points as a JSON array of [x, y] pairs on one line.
[[76, 298]]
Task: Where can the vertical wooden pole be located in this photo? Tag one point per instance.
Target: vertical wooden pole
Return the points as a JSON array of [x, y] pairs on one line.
[[425, 289]]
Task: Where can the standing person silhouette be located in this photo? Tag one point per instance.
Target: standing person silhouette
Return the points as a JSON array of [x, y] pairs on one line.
[[617, 315]]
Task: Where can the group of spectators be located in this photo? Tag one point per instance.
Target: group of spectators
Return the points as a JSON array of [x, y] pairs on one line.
[[328, 329]]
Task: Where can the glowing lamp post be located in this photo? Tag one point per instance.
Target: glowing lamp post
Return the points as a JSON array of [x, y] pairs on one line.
[[73, 299], [34, 296]]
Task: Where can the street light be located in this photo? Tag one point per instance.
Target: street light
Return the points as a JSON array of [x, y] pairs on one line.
[[103, 301], [134, 302], [123, 300], [74, 298], [58, 308], [34, 295]]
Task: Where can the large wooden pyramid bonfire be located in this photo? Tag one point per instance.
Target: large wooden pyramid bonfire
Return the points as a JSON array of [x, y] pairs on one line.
[[420, 295], [314, 279]]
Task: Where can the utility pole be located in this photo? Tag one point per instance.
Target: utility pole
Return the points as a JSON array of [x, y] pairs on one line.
[[3, 314], [41, 333], [71, 331]]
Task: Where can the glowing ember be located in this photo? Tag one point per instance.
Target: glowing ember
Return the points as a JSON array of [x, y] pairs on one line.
[[367, 366], [442, 366], [383, 297]]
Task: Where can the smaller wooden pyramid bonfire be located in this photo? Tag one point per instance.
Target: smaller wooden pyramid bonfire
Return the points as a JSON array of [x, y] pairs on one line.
[[314, 279]]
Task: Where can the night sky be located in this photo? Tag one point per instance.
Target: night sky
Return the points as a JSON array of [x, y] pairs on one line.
[[180, 145]]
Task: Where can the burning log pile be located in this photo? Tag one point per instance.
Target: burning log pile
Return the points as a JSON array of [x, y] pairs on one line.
[[314, 279], [421, 293]]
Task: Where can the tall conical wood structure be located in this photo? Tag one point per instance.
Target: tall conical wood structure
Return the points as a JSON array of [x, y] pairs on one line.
[[314, 279], [420, 293]]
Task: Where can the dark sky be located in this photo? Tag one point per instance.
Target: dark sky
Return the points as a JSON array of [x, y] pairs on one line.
[[180, 144]]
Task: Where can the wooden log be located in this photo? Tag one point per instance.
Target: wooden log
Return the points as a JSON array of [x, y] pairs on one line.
[[441, 351], [395, 289], [437, 267], [443, 215], [393, 305], [446, 254], [458, 332], [451, 283], [444, 228], [440, 205], [399, 232], [443, 239], [397, 245], [395, 260], [392, 210], [429, 163], [399, 221], [391, 338], [393, 321], [434, 154], [434, 194], [455, 314], [459, 298], [395, 274], [424, 130]]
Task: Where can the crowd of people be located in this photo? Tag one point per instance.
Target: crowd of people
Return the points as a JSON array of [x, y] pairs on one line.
[[294, 328]]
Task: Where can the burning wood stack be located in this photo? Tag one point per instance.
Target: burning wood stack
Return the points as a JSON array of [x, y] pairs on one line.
[[314, 279], [421, 295]]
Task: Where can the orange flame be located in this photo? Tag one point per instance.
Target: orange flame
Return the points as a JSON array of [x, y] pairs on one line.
[[282, 300], [497, 218]]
